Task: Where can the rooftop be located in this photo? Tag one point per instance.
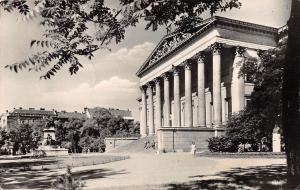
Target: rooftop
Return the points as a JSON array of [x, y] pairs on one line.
[[71, 115], [113, 111], [32, 111]]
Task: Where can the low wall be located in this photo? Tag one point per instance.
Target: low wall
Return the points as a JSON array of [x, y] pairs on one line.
[[112, 143], [50, 151], [180, 139]]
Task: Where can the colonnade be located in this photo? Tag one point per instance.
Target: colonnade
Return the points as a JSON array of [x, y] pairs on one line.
[[147, 91]]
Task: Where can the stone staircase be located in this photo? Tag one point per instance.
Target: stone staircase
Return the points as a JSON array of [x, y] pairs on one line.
[[137, 146]]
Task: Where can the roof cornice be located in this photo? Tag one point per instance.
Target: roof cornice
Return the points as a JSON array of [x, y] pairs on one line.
[[204, 26]]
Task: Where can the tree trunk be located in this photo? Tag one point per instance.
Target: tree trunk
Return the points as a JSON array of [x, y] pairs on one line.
[[290, 97]]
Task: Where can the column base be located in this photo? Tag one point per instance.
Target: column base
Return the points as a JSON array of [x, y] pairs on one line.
[[217, 125]]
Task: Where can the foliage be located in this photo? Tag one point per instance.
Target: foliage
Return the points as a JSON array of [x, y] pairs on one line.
[[266, 73], [246, 127], [60, 131], [221, 144], [3, 137], [39, 153], [24, 138], [79, 135], [67, 182], [102, 125], [74, 29], [73, 134]]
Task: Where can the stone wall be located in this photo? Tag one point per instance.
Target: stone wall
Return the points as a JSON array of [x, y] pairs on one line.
[[180, 139]]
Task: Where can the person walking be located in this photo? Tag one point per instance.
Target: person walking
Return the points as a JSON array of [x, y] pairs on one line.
[[193, 148]]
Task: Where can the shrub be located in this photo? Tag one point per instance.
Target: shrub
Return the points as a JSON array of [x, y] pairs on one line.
[[67, 182], [246, 127], [221, 144], [39, 153]]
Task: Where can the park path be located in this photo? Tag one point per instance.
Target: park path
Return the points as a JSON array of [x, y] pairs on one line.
[[151, 169]]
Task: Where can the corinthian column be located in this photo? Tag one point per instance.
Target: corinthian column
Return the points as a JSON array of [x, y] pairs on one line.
[[216, 51], [151, 109], [167, 104], [176, 73], [143, 125], [158, 102], [201, 90], [188, 94], [238, 82]]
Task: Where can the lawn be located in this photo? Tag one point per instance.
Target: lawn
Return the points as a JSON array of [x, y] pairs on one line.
[[39, 173]]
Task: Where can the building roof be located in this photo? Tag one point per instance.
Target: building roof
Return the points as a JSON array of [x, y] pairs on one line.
[[70, 115], [174, 41], [115, 112], [31, 111]]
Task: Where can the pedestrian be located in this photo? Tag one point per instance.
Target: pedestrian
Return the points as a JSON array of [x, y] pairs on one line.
[[147, 144], [193, 148]]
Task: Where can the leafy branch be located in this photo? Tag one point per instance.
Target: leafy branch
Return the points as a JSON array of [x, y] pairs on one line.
[[78, 28]]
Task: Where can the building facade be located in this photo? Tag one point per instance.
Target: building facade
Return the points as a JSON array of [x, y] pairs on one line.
[[29, 116], [190, 83], [25, 116]]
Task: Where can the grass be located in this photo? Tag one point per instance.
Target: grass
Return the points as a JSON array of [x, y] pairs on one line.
[[279, 155], [39, 173], [58, 162]]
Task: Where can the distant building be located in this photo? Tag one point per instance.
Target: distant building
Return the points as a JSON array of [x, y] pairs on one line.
[[20, 116], [125, 114], [23, 116]]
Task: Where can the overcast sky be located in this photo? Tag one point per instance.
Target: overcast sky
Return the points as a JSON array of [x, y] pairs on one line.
[[108, 80]]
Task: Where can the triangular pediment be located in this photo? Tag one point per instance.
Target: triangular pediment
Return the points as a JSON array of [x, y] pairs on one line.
[[169, 43]]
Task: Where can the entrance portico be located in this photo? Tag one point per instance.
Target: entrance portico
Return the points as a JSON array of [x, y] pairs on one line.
[[193, 80]]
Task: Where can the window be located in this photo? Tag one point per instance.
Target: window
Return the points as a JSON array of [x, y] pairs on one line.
[[247, 101]]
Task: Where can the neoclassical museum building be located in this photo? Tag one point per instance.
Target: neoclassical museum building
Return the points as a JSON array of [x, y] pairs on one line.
[[190, 83]]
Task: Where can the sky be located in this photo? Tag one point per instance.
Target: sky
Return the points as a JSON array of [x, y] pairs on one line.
[[108, 80]]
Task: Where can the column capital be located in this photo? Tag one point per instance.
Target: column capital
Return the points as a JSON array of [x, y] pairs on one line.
[[216, 48], [200, 56], [149, 84], [240, 51], [166, 76], [176, 70], [187, 65], [143, 87], [260, 52], [157, 80]]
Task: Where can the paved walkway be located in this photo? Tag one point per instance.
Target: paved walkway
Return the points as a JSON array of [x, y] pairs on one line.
[[152, 170]]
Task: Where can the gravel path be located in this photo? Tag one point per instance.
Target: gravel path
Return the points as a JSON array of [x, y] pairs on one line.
[[144, 171]]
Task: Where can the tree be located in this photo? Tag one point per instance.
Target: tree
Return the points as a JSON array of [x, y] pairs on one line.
[[74, 29], [90, 132], [61, 132], [73, 135], [290, 94], [266, 73], [3, 137], [23, 138]]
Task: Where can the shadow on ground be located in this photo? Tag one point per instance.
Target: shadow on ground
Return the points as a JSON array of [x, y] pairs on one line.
[[271, 177], [41, 179]]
